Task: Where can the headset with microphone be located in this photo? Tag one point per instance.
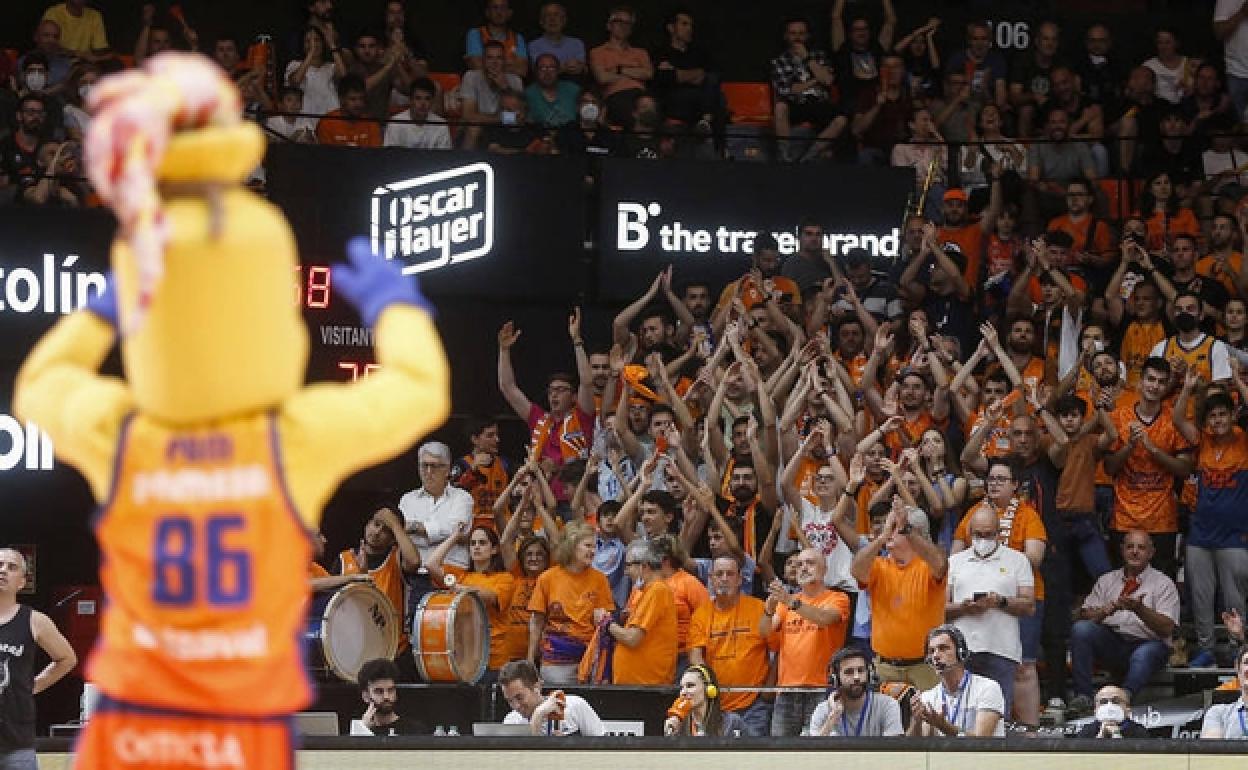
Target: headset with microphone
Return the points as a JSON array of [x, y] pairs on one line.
[[849, 653], [961, 649]]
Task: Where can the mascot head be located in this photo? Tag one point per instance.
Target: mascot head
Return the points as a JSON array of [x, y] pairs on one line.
[[204, 269]]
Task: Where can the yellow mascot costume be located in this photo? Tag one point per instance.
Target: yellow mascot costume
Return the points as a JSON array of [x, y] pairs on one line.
[[211, 461]]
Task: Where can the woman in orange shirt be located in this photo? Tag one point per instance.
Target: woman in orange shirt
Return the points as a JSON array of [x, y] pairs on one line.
[[1159, 208], [568, 602], [488, 579], [525, 563], [689, 592]]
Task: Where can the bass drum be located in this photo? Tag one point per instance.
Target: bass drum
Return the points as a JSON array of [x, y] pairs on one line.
[[451, 637], [349, 627]]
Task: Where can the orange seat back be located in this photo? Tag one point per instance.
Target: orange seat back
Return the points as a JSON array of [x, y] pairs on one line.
[[749, 103]]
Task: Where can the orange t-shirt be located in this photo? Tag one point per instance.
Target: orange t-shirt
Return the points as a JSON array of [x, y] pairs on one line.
[[568, 600], [862, 501], [1138, 341], [689, 594], [1208, 266], [1100, 244], [1144, 490], [516, 619], [388, 578], [1162, 226], [609, 57], [970, 238], [805, 647], [345, 132], [732, 647], [779, 287], [913, 430], [1015, 531], [906, 602], [503, 584], [207, 583], [651, 608], [997, 443]]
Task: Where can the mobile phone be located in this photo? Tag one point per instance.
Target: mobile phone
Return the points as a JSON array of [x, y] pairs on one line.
[[979, 595]]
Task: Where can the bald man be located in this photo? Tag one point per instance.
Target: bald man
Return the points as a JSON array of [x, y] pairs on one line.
[[990, 587], [1113, 716], [21, 631], [809, 627]]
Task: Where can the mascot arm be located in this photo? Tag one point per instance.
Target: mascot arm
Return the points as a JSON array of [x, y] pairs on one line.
[[331, 431], [59, 388]]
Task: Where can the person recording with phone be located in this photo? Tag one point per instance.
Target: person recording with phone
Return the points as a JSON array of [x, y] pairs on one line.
[[1113, 716], [962, 704], [853, 709]]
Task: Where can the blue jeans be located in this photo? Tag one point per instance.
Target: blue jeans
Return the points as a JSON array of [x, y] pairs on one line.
[[757, 718], [1091, 641], [1000, 670], [1087, 538], [1237, 87], [19, 759], [792, 712]]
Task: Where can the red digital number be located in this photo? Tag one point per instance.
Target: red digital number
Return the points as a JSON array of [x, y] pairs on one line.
[[315, 292], [358, 369]]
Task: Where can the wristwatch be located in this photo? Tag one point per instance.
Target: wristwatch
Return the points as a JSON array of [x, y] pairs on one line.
[[1003, 602], [796, 604]]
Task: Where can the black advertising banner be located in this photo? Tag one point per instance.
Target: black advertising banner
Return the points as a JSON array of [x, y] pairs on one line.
[[702, 217], [495, 227]]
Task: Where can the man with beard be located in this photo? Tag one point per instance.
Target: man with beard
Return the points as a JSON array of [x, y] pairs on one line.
[[750, 509], [19, 151], [600, 376], [378, 691], [724, 634], [1092, 247], [1191, 349], [810, 627], [853, 710], [1020, 347], [762, 283], [1186, 280], [1147, 456], [381, 69], [1052, 165], [1223, 263], [812, 264], [656, 330]]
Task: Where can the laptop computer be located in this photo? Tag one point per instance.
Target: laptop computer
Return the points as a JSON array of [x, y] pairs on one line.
[[496, 729], [316, 723]]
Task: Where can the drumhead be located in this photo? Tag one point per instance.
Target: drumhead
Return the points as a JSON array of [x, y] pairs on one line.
[[472, 637], [359, 625]]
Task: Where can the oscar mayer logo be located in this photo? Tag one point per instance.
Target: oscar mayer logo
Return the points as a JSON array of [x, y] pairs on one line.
[[435, 220]]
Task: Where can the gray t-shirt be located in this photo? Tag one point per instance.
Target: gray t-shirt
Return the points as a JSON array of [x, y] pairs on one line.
[[1060, 162], [476, 87], [883, 718], [804, 272]]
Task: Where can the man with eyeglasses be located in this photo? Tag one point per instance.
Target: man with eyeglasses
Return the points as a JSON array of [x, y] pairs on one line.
[[1020, 528], [620, 68], [434, 511], [19, 151], [1113, 716], [1093, 249]]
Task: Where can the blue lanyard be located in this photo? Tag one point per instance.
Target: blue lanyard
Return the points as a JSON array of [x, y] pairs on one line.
[[958, 704], [1243, 726], [866, 707]]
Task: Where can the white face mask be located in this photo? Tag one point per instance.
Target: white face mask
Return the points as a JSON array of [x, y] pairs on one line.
[[36, 81], [83, 90], [1110, 712], [589, 112], [984, 546]]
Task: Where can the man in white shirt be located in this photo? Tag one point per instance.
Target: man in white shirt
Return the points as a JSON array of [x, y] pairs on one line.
[[963, 703], [1126, 621], [522, 688], [990, 586], [1229, 27], [418, 126], [432, 512], [1229, 721]]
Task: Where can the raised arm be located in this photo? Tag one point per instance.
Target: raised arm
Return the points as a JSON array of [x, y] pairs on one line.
[[515, 397], [584, 374], [620, 332]]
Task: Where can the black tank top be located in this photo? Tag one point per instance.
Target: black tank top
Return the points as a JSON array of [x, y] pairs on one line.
[[17, 681]]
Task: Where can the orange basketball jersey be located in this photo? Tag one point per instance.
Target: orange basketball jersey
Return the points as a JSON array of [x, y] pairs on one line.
[[205, 571]]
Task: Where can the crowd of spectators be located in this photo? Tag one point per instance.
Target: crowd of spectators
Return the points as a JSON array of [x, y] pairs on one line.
[[1023, 428]]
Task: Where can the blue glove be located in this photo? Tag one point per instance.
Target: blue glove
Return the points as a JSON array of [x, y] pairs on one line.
[[372, 283], [104, 304]]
